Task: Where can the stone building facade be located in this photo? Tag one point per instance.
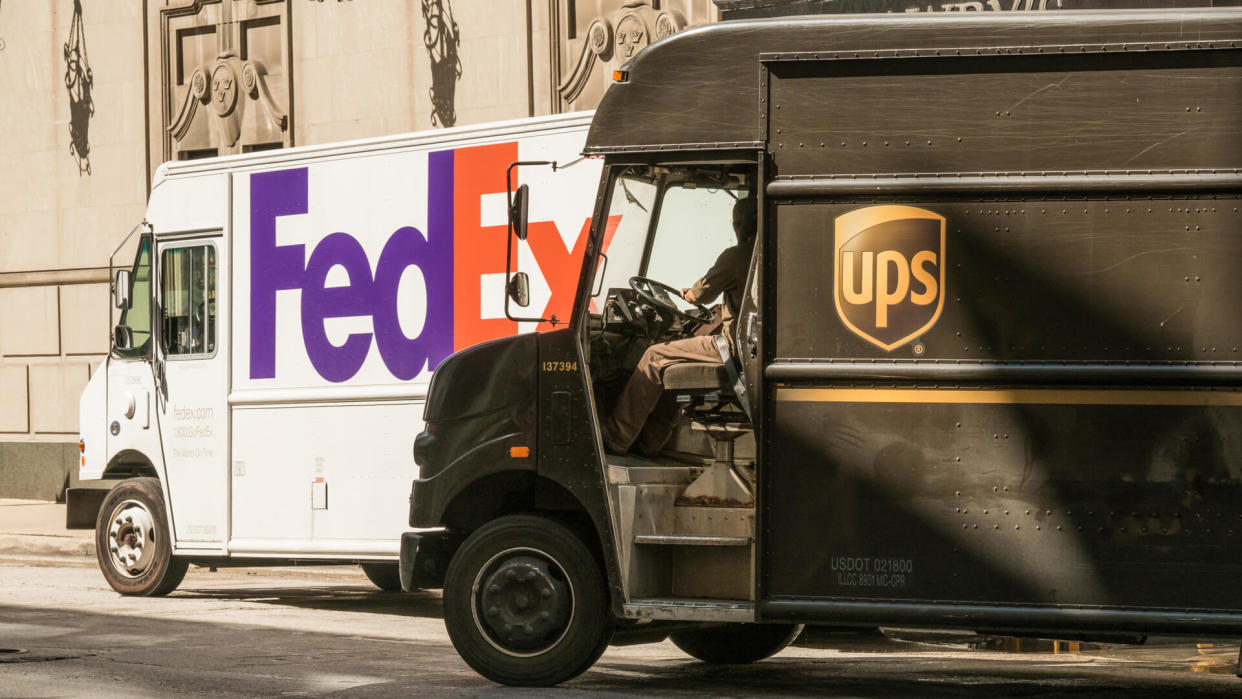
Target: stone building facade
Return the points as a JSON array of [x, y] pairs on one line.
[[95, 94]]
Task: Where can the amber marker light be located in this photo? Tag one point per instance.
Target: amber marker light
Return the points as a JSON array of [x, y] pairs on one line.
[[620, 76], [519, 452]]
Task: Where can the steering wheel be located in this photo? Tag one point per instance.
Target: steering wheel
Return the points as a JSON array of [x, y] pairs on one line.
[[661, 296]]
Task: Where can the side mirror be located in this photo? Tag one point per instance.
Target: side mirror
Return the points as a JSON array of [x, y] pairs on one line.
[[519, 288], [517, 212], [123, 337], [120, 289]]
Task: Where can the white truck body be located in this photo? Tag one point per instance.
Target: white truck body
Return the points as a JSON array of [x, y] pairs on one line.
[[283, 385]]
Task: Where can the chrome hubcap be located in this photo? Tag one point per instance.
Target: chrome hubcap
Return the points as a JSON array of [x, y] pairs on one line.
[[131, 538]]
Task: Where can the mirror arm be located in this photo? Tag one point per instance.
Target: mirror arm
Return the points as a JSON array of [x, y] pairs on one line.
[[511, 233]]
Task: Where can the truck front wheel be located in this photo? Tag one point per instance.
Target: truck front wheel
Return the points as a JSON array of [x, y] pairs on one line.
[[132, 541], [736, 644], [525, 602]]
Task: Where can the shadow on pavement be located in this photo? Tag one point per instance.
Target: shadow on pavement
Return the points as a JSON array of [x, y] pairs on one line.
[[193, 657], [339, 598], [83, 653]]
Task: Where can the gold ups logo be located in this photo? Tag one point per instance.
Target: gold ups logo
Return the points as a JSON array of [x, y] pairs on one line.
[[888, 272]]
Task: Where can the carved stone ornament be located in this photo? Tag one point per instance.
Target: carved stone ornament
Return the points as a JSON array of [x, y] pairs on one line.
[[222, 85], [666, 25], [254, 81], [223, 89], [637, 24], [632, 35]]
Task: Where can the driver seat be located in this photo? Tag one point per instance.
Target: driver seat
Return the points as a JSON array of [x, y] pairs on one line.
[[705, 391]]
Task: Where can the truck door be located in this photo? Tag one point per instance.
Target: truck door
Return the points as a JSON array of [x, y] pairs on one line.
[[132, 426], [192, 386]]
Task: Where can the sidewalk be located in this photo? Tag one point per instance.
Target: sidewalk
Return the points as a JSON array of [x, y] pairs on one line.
[[36, 529]]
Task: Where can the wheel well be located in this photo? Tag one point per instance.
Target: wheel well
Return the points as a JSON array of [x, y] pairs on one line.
[[129, 464], [517, 492], [513, 492]]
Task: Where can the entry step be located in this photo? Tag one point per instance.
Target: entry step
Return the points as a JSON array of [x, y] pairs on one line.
[[677, 609], [691, 540]]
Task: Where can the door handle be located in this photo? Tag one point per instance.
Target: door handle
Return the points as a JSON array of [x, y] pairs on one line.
[[753, 326], [161, 384]]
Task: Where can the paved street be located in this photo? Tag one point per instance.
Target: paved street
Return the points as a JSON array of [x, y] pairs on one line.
[[309, 631]]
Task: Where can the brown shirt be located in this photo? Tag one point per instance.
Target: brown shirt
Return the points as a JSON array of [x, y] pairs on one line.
[[726, 277]]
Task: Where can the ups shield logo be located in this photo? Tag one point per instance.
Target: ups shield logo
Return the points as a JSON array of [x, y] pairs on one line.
[[888, 272]]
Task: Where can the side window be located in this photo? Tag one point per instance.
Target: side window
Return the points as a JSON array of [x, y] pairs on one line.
[[695, 226], [138, 316], [188, 301], [633, 200]]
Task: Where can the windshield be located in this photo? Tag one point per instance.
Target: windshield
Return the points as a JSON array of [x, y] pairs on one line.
[[138, 316], [695, 226], [691, 207]]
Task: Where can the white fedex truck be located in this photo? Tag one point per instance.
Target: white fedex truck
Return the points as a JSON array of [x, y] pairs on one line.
[[276, 330]]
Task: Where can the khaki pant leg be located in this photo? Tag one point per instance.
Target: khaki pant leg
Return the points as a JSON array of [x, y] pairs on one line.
[[643, 390], [659, 427]]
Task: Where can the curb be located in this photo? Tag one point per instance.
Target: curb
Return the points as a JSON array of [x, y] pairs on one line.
[[46, 545]]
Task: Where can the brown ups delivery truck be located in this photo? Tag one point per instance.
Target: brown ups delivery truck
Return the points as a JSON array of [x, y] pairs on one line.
[[983, 371]]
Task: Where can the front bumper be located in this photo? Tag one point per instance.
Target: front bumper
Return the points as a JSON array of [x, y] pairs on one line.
[[425, 557]]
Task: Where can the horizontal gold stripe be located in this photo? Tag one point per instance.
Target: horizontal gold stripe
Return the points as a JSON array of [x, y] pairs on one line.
[[1027, 396]]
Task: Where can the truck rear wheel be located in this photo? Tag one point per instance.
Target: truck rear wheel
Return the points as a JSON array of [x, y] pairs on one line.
[[385, 576], [132, 541], [525, 602], [736, 644]]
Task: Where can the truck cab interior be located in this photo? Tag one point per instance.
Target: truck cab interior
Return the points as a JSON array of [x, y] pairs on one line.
[[684, 510]]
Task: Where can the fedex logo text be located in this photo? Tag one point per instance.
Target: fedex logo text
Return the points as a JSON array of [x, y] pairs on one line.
[[276, 267], [456, 182]]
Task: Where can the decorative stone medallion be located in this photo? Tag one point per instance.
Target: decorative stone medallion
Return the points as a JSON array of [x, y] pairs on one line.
[[223, 89]]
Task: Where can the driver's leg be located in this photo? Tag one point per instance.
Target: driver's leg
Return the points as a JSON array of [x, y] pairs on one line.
[[659, 427], [642, 391]]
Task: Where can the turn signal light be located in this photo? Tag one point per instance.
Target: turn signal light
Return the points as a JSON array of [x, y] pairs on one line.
[[82, 446], [519, 452], [620, 76]]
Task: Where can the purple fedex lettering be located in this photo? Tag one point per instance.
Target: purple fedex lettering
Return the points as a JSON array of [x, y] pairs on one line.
[[320, 302], [404, 356], [280, 267], [272, 267]]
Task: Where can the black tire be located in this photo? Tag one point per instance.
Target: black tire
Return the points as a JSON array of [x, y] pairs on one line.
[[525, 602], [736, 644], [132, 541], [385, 576]]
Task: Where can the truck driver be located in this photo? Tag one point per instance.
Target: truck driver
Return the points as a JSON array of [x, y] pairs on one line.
[[632, 419]]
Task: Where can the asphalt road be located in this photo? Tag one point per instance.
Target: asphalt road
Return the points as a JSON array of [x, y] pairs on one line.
[[328, 631]]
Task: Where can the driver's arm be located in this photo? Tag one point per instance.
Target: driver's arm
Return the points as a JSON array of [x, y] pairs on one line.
[[719, 279]]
